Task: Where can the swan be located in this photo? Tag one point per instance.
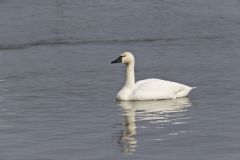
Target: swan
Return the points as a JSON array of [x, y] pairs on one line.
[[148, 89]]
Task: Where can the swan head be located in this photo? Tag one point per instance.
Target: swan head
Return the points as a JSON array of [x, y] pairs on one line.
[[125, 58]]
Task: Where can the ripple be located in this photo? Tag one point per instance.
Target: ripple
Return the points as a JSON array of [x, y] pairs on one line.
[[156, 114]]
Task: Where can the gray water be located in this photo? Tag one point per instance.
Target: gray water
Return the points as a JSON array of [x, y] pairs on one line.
[[58, 88]]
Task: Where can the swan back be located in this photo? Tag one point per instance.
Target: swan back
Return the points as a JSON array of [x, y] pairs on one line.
[[150, 89]]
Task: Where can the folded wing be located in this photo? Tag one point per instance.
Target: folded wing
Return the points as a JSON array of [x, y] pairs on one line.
[[159, 89]]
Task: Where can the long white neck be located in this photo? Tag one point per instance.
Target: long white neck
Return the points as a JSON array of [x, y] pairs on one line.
[[130, 76]]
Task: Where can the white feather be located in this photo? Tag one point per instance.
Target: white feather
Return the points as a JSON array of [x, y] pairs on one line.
[[158, 89]]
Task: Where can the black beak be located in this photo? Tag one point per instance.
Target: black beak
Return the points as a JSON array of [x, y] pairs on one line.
[[118, 60]]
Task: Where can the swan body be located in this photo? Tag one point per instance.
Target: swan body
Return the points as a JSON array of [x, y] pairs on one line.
[[148, 89]]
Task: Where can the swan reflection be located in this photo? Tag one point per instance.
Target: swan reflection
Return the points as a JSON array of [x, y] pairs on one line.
[[151, 112]]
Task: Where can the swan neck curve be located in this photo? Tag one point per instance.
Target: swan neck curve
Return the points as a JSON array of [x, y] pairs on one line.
[[130, 76]]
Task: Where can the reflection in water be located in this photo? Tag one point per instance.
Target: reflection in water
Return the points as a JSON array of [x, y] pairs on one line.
[[158, 112]]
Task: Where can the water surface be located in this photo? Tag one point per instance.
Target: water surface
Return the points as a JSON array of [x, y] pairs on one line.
[[58, 88]]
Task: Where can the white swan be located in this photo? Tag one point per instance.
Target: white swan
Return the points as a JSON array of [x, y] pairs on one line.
[[149, 89]]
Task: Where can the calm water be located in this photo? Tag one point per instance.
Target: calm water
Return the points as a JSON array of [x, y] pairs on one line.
[[57, 88]]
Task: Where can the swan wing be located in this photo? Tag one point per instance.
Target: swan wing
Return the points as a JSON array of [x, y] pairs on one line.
[[158, 89]]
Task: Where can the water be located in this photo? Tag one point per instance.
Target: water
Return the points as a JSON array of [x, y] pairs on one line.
[[58, 88]]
